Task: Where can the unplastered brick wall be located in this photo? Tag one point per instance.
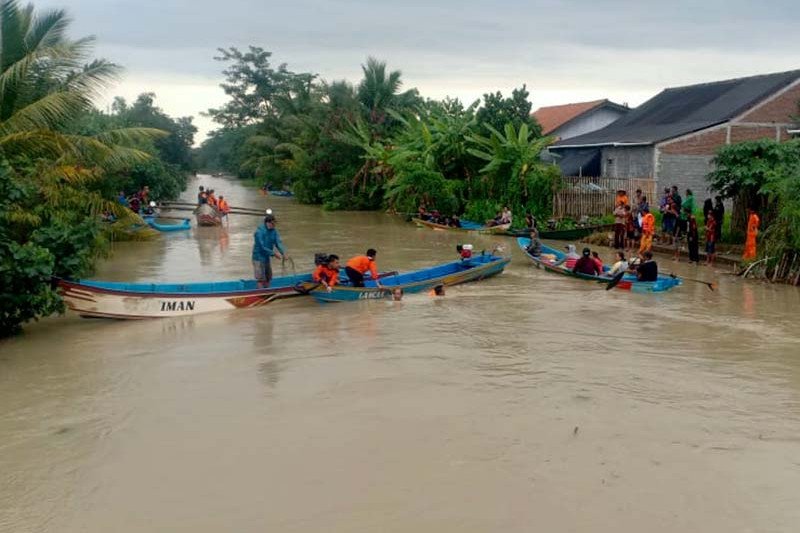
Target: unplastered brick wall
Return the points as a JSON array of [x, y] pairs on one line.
[[782, 109], [703, 143]]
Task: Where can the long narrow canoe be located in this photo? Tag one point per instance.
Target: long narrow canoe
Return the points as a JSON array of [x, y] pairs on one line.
[[628, 282], [573, 234], [466, 225], [110, 299], [207, 216], [181, 226], [477, 268]]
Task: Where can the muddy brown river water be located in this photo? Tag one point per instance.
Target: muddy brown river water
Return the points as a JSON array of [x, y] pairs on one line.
[[521, 403]]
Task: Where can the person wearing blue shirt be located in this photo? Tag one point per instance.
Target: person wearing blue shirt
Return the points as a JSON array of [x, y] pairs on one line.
[[267, 243]]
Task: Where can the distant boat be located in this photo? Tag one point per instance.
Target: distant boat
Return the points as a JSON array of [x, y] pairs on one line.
[[281, 193], [572, 234], [466, 225], [473, 269], [550, 257], [207, 216]]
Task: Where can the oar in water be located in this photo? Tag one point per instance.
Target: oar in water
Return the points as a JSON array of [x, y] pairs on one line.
[[615, 280], [710, 284]]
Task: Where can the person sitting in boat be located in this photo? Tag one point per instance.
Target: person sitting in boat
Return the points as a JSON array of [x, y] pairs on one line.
[[570, 259], [150, 209], [620, 266], [535, 247], [422, 213], [586, 264], [496, 221], [202, 196], [327, 273], [212, 200], [454, 222], [596, 259], [648, 270], [267, 243], [505, 216], [135, 204], [359, 265]]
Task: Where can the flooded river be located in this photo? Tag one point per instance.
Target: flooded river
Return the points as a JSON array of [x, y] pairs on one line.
[[522, 403]]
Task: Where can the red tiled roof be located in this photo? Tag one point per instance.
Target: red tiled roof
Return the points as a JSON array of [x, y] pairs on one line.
[[554, 116]]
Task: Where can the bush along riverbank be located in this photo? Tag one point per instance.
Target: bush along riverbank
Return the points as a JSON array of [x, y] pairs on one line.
[[63, 162]]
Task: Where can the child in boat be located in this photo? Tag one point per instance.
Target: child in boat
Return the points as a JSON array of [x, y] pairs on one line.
[[598, 261], [327, 273]]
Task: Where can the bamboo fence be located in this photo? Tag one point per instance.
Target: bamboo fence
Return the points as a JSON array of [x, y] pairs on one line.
[[581, 196]]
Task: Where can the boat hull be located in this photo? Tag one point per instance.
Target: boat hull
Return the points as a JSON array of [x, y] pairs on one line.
[[627, 283], [478, 268], [466, 225], [135, 301], [182, 226], [207, 216], [574, 234]]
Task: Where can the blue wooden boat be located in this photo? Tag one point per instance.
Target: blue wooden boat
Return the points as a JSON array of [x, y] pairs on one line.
[[182, 226], [466, 225], [473, 269], [550, 257]]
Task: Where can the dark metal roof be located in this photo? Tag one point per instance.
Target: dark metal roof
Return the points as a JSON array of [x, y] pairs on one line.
[[681, 110]]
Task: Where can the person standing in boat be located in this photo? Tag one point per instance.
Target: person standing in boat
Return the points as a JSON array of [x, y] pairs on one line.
[[359, 265], [267, 244]]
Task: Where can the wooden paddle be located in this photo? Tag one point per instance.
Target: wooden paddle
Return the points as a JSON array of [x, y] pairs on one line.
[[709, 284], [615, 280]]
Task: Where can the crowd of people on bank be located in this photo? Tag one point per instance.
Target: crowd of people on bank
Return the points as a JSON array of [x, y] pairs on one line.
[[635, 224]]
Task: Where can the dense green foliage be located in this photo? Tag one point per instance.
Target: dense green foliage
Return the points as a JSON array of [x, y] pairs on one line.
[[58, 160], [764, 175], [372, 145]]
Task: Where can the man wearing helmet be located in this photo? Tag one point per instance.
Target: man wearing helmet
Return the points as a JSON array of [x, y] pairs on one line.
[[267, 243]]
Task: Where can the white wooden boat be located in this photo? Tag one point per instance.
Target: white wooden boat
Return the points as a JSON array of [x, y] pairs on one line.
[[207, 216], [109, 299]]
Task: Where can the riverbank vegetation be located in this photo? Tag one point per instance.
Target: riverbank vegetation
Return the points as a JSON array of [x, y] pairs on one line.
[[765, 175], [373, 145], [62, 161]]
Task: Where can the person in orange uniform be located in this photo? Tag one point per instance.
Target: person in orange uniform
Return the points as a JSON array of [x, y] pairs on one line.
[[212, 200], [648, 229], [327, 273], [223, 207], [752, 232], [357, 266]]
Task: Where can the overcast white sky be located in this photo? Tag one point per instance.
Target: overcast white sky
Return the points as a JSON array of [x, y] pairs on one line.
[[565, 51]]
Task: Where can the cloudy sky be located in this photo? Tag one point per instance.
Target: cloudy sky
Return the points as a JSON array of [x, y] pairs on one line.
[[565, 51]]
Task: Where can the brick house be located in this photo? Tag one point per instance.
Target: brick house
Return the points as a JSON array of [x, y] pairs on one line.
[[570, 120], [673, 136]]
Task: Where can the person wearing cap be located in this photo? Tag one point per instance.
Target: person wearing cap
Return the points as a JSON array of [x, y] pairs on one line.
[[586, 264], [359, 265], [267, 243]]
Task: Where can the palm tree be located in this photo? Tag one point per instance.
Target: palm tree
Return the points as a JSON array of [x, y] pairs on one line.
[[46, 83], [378, 91]]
